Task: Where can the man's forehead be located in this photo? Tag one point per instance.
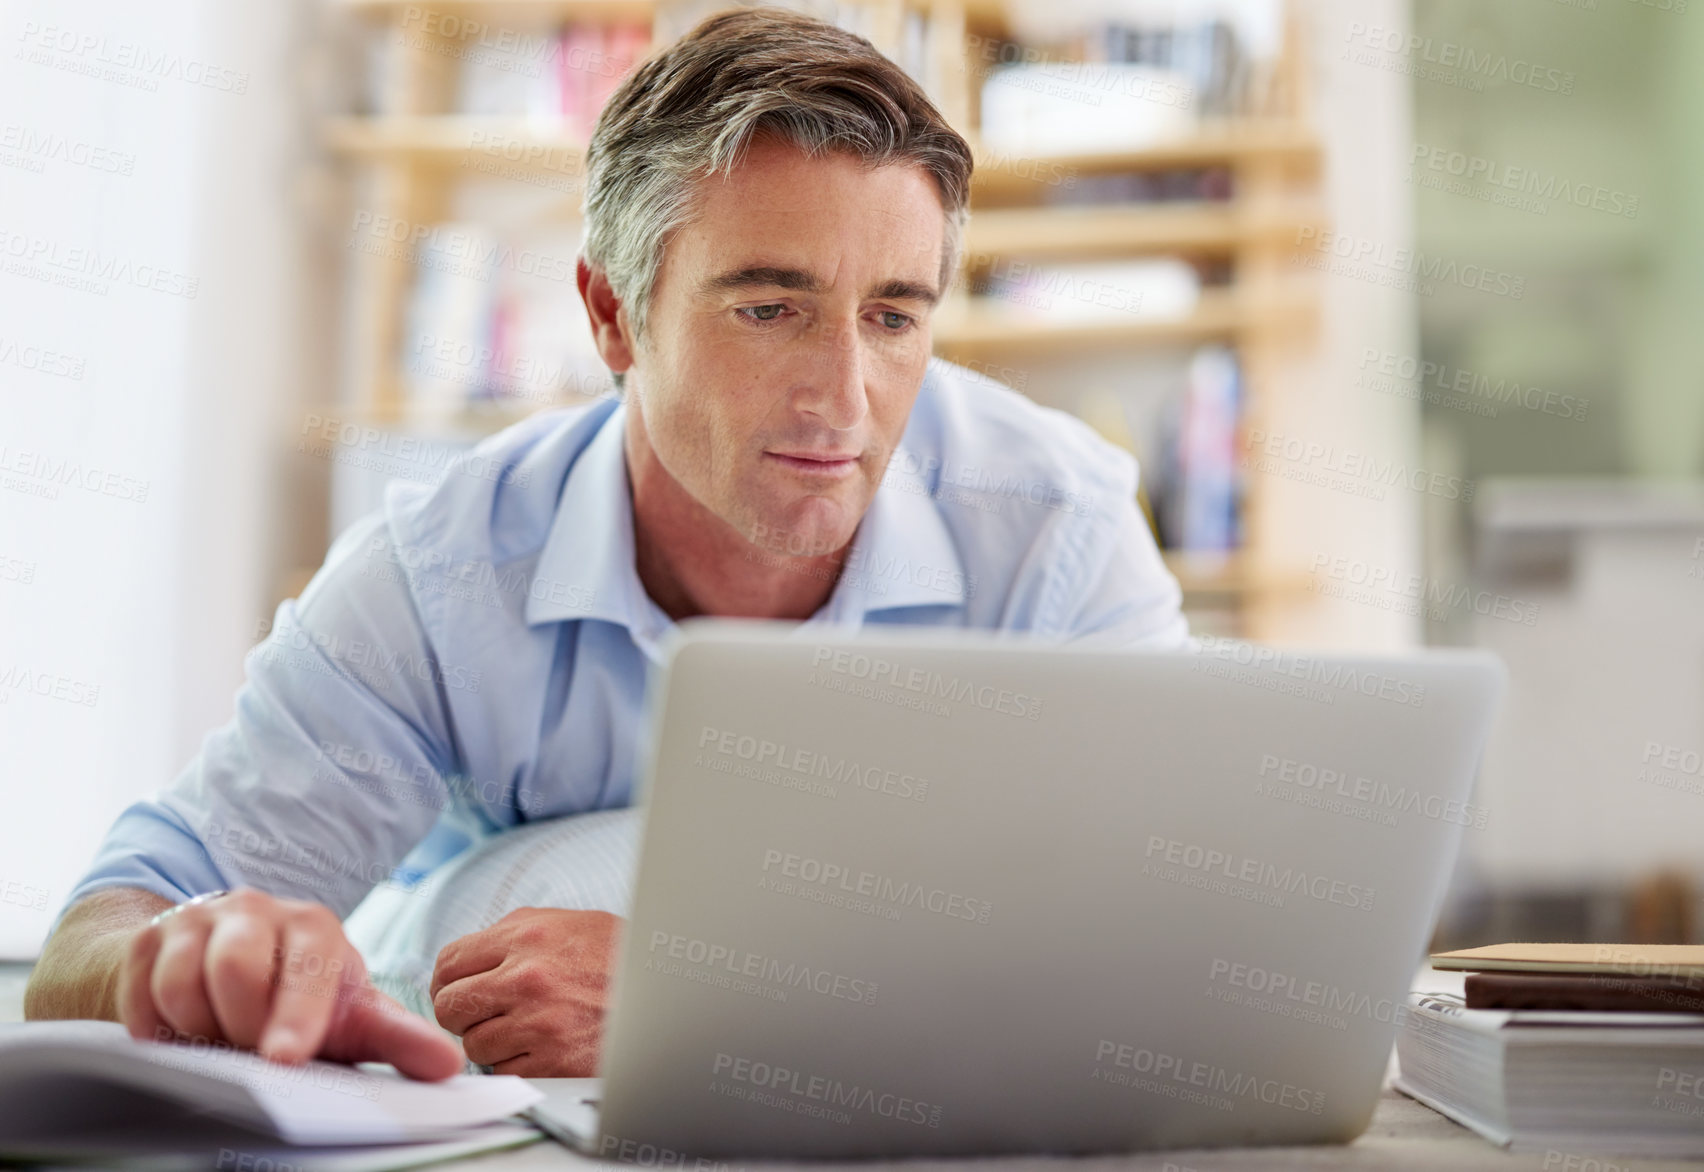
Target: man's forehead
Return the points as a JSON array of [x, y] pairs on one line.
[[752, 227]]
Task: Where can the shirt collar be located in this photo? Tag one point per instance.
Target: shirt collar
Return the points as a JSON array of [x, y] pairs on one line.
[[902, 557], [586, 569]]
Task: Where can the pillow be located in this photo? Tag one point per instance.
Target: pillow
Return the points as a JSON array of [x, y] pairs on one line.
[[584, 862]]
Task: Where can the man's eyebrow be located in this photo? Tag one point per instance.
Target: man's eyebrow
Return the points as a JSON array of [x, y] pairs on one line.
[[900, 289], [801, 281]]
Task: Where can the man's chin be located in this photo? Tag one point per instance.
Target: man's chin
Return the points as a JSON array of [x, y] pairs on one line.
[[786, 532]]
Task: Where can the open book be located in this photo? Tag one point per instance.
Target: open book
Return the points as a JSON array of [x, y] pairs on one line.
[[88, 1084]]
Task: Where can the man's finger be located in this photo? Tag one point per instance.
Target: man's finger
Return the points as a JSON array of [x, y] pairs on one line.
[[311, 976], [477, 952], [526, 1066], [178, 986], [496, 1040], [238, 972], [377, 1029], [463, 1004], [135, 993]]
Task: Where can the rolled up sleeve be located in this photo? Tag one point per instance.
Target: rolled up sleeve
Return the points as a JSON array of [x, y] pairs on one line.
[[332, 767]]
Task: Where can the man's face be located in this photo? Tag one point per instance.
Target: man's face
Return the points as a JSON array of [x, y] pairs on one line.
[[787, 340]]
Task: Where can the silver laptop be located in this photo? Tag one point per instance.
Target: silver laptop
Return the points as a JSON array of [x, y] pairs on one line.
[[945, 894]]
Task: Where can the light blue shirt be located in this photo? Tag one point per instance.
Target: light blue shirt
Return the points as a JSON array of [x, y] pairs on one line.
[[475, 654]]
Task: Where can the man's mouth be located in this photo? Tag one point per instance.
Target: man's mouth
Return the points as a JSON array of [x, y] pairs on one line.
[[816, 463]]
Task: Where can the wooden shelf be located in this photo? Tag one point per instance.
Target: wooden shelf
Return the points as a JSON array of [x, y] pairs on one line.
[[452, 138], [605, 9], [1229, 575], [453, 134], [967, 326], [1124, 229], [538, 12], [517, 10], [472, 422], [1225, 143]]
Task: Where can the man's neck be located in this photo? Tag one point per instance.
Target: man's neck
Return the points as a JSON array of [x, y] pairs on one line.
[[691, 562]]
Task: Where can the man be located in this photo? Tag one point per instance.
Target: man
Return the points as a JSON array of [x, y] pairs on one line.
[[773, 211]]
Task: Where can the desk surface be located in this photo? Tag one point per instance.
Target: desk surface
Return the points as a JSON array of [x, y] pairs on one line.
[[1404, 1137]]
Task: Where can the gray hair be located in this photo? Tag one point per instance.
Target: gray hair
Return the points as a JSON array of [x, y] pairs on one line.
[[690, 111]]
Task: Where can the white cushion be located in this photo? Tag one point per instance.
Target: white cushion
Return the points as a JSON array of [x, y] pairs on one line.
[[583, 862]]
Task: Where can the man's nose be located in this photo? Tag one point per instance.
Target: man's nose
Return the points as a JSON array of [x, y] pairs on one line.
[[833, 387]]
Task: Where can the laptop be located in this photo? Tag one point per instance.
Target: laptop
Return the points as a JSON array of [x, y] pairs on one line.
[[945, 893]]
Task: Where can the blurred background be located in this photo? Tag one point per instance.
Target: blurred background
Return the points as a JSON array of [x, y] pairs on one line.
[[1400, 305]]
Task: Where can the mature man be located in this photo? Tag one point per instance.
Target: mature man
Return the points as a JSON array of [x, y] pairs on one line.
[[773, 211]]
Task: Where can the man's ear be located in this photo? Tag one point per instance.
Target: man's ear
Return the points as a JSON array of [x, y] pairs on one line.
[[610, 326]]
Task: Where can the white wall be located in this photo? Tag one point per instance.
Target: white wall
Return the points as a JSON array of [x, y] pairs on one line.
[[1364, 116], [152, 601]]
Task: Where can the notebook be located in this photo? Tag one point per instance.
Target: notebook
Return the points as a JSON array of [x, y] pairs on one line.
[[1588, 992], [89, 1083], [1627, 960]]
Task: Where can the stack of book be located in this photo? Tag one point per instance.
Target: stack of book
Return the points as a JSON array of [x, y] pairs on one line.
[[1593, 1048], [567, 74]]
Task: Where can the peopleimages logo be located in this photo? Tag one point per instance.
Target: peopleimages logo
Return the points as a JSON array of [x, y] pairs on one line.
[[88, 269], [1409, 377], [1455, 63], [1303, 782], [929, 685], [1215, 869], [127, 62], [39, 474], [827, 768], [1502, 178], [831, 1092], [1171, 1075], [907, 470], [1319, 1002], [1312, 669], [1365, 258], [371, 232], [17, 679], [1344, 469], [810, 878], [724, 961]]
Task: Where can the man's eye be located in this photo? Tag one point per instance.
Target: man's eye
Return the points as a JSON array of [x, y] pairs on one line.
[[763, 312], [888, 320]]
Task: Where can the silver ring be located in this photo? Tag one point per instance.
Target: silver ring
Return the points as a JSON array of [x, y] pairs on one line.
[[168, 913]]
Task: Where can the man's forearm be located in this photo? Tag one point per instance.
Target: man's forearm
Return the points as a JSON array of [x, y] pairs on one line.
[[77, 975]]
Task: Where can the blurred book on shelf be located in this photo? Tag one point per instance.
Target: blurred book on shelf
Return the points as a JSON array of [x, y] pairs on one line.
[[493, 323], [566, 76], [557, 75], [1139, 288], [1197, 492], [1072, 107], [1082, 82], [452, 302], [920, 45], [1193, 184], [1209, 56]]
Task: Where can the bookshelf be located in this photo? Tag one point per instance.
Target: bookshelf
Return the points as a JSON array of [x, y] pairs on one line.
[[409, 156]]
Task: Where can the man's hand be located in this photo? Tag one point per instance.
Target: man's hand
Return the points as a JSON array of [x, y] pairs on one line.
[[527, 995], [273, 975]]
